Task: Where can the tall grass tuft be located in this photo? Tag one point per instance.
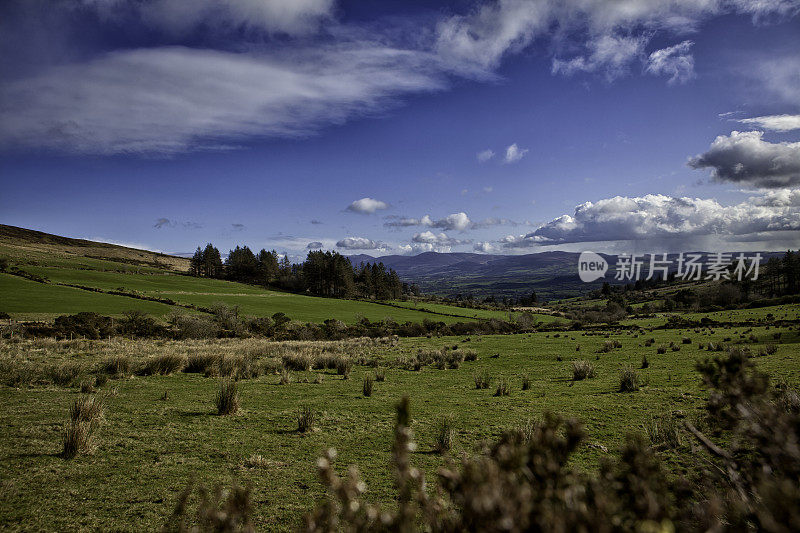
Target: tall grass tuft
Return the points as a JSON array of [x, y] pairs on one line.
[[305, 420], [84, 417], [503, 388], [367, 385], [482, 380], [380, 374], [526, 382], [445, 434], [628, 379], [582, 369], [227, 399]]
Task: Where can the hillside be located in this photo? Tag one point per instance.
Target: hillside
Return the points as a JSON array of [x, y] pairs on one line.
[[32, 247], [49, 275]]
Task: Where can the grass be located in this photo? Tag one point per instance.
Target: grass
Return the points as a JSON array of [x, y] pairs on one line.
[[30, 299], [149, 448]]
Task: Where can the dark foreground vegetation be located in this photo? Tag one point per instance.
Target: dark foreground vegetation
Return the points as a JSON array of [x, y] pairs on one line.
[[746, 478]]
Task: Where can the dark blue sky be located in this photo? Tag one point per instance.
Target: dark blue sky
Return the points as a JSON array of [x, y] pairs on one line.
[[166, 126]]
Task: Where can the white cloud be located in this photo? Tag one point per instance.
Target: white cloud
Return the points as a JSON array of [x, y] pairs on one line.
[[774, 122], [453, 222], [675, 61], [485, 155], [745, 157], [656, 218], [514, 153], [316, 245], [367, 206], [361, 243], [484, 247], [172, 99]]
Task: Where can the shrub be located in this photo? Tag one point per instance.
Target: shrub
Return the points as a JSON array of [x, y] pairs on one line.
[[582, 370], [367, 385], [445, 434], [227, 399], [305, 420], [628, 379], [503, 388], [482, 380]]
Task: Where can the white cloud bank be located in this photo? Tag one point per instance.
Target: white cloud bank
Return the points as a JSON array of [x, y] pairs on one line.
[[361, 243], [657, 218]]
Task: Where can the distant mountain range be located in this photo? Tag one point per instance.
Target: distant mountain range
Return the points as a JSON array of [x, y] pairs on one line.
[[550, 274]]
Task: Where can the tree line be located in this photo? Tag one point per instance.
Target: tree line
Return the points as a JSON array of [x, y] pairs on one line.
[[321, 274]]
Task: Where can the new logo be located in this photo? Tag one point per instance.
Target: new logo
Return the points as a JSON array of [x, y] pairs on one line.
[[591, 266]]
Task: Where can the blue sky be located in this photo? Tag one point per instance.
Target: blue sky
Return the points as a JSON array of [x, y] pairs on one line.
[[401, 127]]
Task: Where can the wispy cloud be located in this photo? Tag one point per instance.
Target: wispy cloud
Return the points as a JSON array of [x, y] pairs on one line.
[[774, 122], [675, 61], [485, 155]]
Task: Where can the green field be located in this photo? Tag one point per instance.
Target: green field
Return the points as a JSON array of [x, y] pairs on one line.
[[149, 447], [25, 299]]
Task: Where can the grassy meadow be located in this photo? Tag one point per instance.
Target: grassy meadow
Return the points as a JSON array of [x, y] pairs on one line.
[[160, 431]]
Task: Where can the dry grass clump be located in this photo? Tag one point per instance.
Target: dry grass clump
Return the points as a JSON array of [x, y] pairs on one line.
[[482, 380], [664, 432], [227, 399], [305, 419], [503, 388], [661, 350], [526, 382], [645, 362], [203, 363], [85, 415], [117, 366], [300, 362], [367, 385], [582, 369], [380, 374], [286, 377], [609, 345], [65, 374], [344, 366], [162, 365], [628, 379]]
